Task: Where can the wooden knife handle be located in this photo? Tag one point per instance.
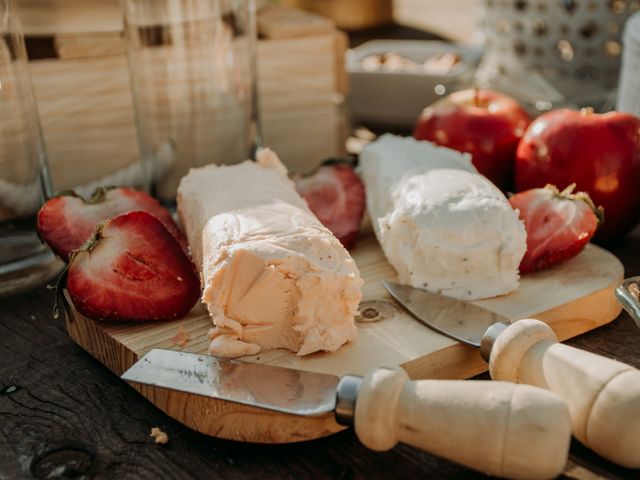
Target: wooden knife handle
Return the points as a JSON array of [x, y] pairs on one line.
[[499, 428], [603, 395]]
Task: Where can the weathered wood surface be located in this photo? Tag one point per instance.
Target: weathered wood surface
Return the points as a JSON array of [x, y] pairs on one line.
[[63, 415]]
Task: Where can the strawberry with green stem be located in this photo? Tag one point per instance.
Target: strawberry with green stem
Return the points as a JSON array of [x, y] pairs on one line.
[[559, 224]]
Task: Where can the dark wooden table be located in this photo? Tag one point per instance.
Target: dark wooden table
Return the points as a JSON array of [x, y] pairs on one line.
[[64, 415]]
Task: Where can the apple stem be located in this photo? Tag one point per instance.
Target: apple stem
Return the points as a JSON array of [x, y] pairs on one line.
[[586, 111], [476, 97]]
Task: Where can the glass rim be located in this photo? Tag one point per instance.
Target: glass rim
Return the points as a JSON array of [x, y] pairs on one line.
[[8, 21]]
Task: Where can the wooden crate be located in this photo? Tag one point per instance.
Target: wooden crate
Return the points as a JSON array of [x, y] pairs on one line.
[[85, 101]]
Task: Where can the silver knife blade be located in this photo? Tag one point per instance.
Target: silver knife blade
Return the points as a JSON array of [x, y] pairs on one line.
[[279, 389], [456, 319], [628, 294]]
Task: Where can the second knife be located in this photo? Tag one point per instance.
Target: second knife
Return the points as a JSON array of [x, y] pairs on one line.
[[603, 395]]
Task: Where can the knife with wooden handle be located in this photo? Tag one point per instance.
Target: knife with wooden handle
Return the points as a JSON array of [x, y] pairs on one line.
[[500, 428], [603, 395]]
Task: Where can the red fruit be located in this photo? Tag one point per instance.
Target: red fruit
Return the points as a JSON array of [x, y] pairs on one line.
[[484, 123], [67, 221], [558, 224], [599, 153], [335, 194], [132, 269]]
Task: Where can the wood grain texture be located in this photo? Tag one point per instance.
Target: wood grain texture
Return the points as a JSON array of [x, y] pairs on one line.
[[575, 297], [48, 17], [69, 46]]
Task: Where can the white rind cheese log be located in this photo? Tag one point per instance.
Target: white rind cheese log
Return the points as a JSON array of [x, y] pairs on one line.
[[273, 275], [443, 227]]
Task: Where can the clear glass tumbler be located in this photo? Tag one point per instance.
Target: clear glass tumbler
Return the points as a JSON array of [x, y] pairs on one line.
[[24, 178], [193, 75]]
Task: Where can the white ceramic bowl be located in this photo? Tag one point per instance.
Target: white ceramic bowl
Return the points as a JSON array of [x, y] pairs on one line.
[[396, 99]]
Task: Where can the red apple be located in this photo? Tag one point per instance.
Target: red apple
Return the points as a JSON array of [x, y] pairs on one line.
[[600, 153], [484, 123]]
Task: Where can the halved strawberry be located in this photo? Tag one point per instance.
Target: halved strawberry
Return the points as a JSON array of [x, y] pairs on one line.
[[67, 221], [558, 224], [132, 269], [335, 194]]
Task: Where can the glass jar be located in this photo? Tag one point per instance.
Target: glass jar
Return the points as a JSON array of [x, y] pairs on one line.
[[24, 176], [193, 75]]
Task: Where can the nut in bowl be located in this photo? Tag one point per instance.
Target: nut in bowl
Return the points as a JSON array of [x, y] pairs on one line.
[[392, 80]]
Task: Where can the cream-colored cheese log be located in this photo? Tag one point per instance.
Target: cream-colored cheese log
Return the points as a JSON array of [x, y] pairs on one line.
[[273, 275], [442, 226]]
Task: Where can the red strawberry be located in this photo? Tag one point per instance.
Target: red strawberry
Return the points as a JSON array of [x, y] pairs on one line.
[[67, 221], [559, 224], [132, 269], [335, 194]]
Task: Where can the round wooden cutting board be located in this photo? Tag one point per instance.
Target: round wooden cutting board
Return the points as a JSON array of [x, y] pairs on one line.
[[572, 298]]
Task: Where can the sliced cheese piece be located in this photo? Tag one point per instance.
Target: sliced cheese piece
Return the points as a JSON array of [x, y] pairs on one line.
[[273, 276], [442, 226]]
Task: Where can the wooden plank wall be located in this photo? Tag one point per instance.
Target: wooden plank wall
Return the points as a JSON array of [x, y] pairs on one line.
[[85, 101]]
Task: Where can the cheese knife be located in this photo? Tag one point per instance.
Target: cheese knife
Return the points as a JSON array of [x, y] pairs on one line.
[[500, 428], [603, 395]]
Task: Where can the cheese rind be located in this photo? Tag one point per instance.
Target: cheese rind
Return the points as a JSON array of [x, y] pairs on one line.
[[442, 226], [273, 275]]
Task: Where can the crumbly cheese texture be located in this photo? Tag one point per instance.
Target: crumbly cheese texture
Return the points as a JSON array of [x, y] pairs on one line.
[[442, 225], [273, 275]]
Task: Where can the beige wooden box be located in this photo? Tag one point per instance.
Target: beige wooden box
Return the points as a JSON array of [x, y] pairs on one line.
[[85, 103]]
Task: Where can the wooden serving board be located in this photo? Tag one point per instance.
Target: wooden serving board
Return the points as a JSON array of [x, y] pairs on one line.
[[572, 298]]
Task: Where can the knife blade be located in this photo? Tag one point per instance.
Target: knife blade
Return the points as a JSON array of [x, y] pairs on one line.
[[628, 294], [602, 394], [449, 418], [462, 321], [282, 390]]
